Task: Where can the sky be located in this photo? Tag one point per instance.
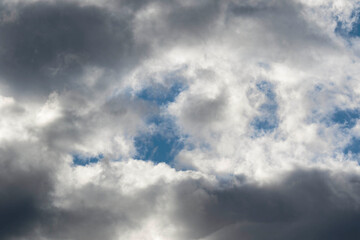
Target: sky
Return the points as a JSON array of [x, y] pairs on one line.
[[179, 119]]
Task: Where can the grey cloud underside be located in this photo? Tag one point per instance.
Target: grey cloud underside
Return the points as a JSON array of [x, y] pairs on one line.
[[24, 193], [21, 202], [306, 204], [47, 45]]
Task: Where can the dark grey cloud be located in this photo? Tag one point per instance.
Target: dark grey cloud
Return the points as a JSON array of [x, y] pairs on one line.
[[94, 213], [195, 18], [24, 193], [22, 201], [311, 204], [304, 205], [28, 195], [134, 5], [247, 8], [178, 23], [46, 46]]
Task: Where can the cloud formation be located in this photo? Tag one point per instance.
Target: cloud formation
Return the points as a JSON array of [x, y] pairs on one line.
[[46, 46], [179, 119]]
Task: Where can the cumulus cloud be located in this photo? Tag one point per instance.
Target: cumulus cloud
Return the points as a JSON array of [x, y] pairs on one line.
[[46, 46], [179, 119]]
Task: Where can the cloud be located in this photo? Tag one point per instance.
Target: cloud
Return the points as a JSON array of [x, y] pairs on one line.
[[47, 45], [25, 189], [305, 204], [112, 203], [179, 120]]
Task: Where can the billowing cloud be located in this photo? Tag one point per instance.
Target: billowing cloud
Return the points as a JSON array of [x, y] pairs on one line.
[[46, 46], [179, 119]]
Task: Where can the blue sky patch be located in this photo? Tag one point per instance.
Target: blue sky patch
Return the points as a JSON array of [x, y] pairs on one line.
[[346, 118], [162, 145], [161, 94], [84, 160], [341, 29], [268, 120], [349, 32], [353, 147], [355, 28]]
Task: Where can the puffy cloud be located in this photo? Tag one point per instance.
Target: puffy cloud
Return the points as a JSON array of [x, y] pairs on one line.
[[179, 119], [111, 201]]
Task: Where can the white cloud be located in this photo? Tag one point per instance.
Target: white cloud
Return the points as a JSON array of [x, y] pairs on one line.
[[262, 153]]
